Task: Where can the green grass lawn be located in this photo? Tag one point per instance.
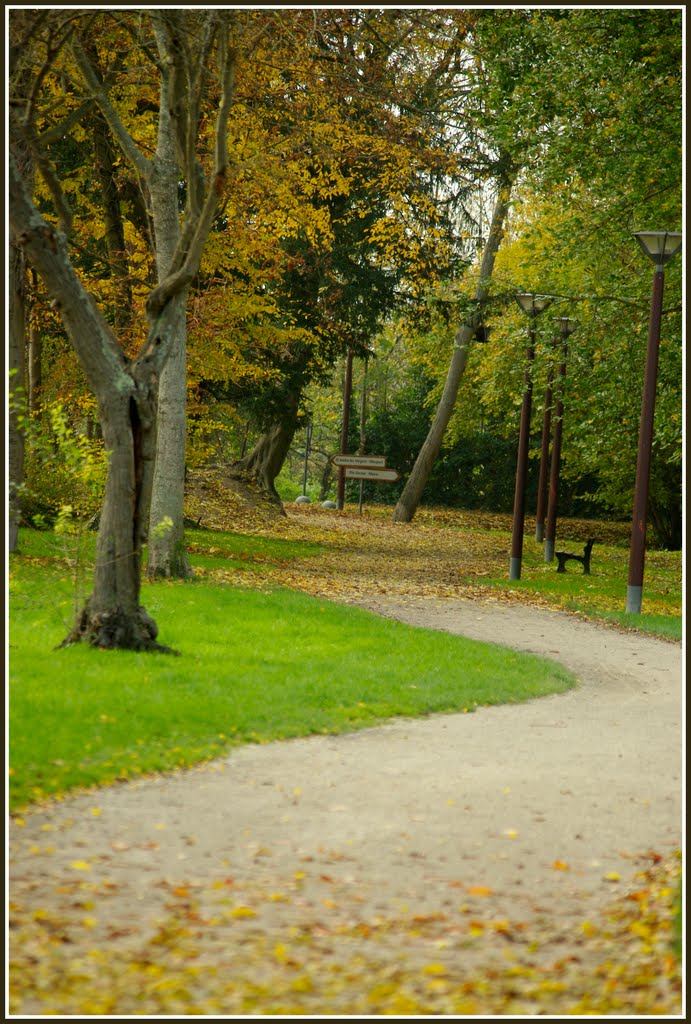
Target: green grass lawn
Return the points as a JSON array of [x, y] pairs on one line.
[[256, 664]]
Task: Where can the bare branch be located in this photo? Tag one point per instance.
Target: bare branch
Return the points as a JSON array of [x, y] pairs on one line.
[[102, 359], [100, 95], [188, 254]]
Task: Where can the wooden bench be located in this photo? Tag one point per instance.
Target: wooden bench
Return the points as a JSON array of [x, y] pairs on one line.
[[584, 559]]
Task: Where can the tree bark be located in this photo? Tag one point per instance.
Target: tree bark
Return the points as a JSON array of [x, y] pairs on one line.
[[166, 549], [415, 485], [17, 332], [259, 469], [35, 351], [167, 555]]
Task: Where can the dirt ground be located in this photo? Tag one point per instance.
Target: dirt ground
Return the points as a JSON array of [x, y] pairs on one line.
[[525, 819]]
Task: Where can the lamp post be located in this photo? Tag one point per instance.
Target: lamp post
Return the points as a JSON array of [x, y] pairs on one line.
[[544, 459], [347, 390], [533, 305], [660, 247], [566, 328]]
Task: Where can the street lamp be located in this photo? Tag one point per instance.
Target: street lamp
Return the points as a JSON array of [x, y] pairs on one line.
[[544, 458], [660, 247], [533, 305], [566, 329]]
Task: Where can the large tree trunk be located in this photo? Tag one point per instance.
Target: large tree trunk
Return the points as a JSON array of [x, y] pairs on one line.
[[126, 390], [17, 325], [35, 350], [112, 616], [167, 555], [257, 471], [415, 485], [126, 396]]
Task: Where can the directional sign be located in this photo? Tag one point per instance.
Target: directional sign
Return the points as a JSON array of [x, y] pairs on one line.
[[363, 473], [358, 460]]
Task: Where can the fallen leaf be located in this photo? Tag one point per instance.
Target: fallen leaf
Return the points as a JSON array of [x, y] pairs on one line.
[[480, 890]]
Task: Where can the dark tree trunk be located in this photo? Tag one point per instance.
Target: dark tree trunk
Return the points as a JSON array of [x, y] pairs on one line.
[[17, 326], [35, 352], [259, 469], [126, 396], [104, 160], [112, 616]]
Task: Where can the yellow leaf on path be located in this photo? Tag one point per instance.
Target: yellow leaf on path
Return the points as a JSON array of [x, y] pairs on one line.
[[80, 865], [560, 865], [480, 890], [243, 912], [612, 876], [434, 969], [96, 811], [510, 833]]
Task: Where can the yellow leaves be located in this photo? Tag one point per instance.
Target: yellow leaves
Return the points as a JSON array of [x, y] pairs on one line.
[[511, 833], [242, 912], [560, 865], [434, 969], [612, 876], [480, 890], [80, 865]]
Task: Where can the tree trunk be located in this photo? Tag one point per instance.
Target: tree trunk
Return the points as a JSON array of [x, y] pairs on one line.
[[17, 325], [112, 616], [105, 167], [259, 469], [167, 555], [35, 353], [415, 485], [126, 396]]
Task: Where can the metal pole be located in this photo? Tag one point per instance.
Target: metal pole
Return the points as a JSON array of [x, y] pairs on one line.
[[551, 528], [347, 389], [363, 425], [634, 590], [522, 464], [544, 460]]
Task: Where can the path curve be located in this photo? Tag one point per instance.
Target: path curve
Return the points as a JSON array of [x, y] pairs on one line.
[[531, 811]]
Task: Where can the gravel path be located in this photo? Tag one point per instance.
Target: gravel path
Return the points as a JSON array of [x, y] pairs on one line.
[[530, 813]]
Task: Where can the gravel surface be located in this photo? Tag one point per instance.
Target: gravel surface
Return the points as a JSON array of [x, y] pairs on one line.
[[532, 813]]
